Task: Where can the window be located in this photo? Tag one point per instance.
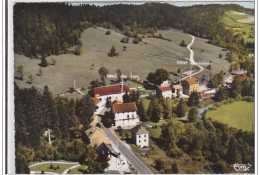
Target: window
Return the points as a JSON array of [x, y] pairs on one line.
[[144, 140], [127, 116], [145, 135], [139, 141], [139, 136]]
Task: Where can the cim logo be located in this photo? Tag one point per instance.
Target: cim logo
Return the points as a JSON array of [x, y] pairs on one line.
[[241, 167]]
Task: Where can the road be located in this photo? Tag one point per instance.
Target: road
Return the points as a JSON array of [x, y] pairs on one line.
[[140, 167]]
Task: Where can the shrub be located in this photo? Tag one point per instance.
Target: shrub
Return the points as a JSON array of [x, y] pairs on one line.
[[248, 99], [78, 50], [108, 32]]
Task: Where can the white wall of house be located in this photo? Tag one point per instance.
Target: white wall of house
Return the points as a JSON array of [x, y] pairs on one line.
[[142, 140], [113, 97], [126, 119], [175, 93], [167, 94]]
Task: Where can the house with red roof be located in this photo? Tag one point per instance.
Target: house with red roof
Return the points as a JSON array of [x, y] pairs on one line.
[[165, 92], [125, 114], [113, 92]]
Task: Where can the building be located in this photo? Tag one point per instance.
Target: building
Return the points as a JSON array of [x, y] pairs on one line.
[[112, 92], [166, 92], [190, 85], [111, 75], [106, 150], [140, 136], [177, 90], [125, 114], [165, 83], [123, 76], [96, 136]]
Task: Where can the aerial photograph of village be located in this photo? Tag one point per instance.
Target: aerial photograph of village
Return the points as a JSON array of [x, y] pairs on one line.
[[134, 87]]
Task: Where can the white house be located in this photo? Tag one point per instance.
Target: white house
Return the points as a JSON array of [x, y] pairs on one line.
[[166, 92], [125, 114], [140, 136]]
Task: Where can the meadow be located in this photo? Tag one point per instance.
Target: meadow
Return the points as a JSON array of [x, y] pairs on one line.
[[241, 29], [140, 59], [239, 114]]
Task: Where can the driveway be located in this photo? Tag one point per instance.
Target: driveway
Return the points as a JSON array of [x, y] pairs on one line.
[[140, 167]]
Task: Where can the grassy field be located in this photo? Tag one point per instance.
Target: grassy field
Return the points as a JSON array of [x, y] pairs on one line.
[[245, 30], [134, 85], [84, 68], [46, 167], [238, 114], [155, 132]]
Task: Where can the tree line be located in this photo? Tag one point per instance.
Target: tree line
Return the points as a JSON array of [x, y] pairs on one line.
[[35, 112]]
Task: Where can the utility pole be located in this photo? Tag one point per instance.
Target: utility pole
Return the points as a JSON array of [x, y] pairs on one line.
[[122, 86]]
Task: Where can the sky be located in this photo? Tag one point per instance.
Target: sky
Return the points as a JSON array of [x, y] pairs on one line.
[[180, 4]]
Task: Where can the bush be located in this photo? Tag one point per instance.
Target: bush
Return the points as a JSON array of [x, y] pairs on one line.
[[248, 99], [78, 50], [183, 43], [175, 152], [238, 98], [108, 32]]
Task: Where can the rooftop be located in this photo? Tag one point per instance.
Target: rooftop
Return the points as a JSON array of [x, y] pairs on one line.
[[140, 130], [108, 90], [166, 88], [124, 107], [177, 86], [191, 80]]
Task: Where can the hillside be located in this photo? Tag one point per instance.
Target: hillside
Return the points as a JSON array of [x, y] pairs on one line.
[[140, 59], [47, 29]]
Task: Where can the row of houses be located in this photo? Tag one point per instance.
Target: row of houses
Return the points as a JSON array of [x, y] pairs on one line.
[[114, 75]]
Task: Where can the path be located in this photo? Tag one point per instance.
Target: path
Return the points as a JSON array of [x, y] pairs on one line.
[[140, 167], [192, 61], [70, 168]]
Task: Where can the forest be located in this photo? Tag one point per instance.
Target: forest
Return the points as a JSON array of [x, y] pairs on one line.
[[35, 112]]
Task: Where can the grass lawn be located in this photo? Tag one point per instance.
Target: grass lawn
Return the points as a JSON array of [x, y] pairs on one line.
[[238, 114], [155, 132], [146, 103], [45, 167], [134, 85], [76, 170]]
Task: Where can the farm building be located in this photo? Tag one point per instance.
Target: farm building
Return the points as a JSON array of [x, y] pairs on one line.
[[112, 92], [125, 114], [140, 136], [166, 92], [190, 85]]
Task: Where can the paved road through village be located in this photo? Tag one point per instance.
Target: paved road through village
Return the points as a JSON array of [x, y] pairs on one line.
[[140, 167]]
